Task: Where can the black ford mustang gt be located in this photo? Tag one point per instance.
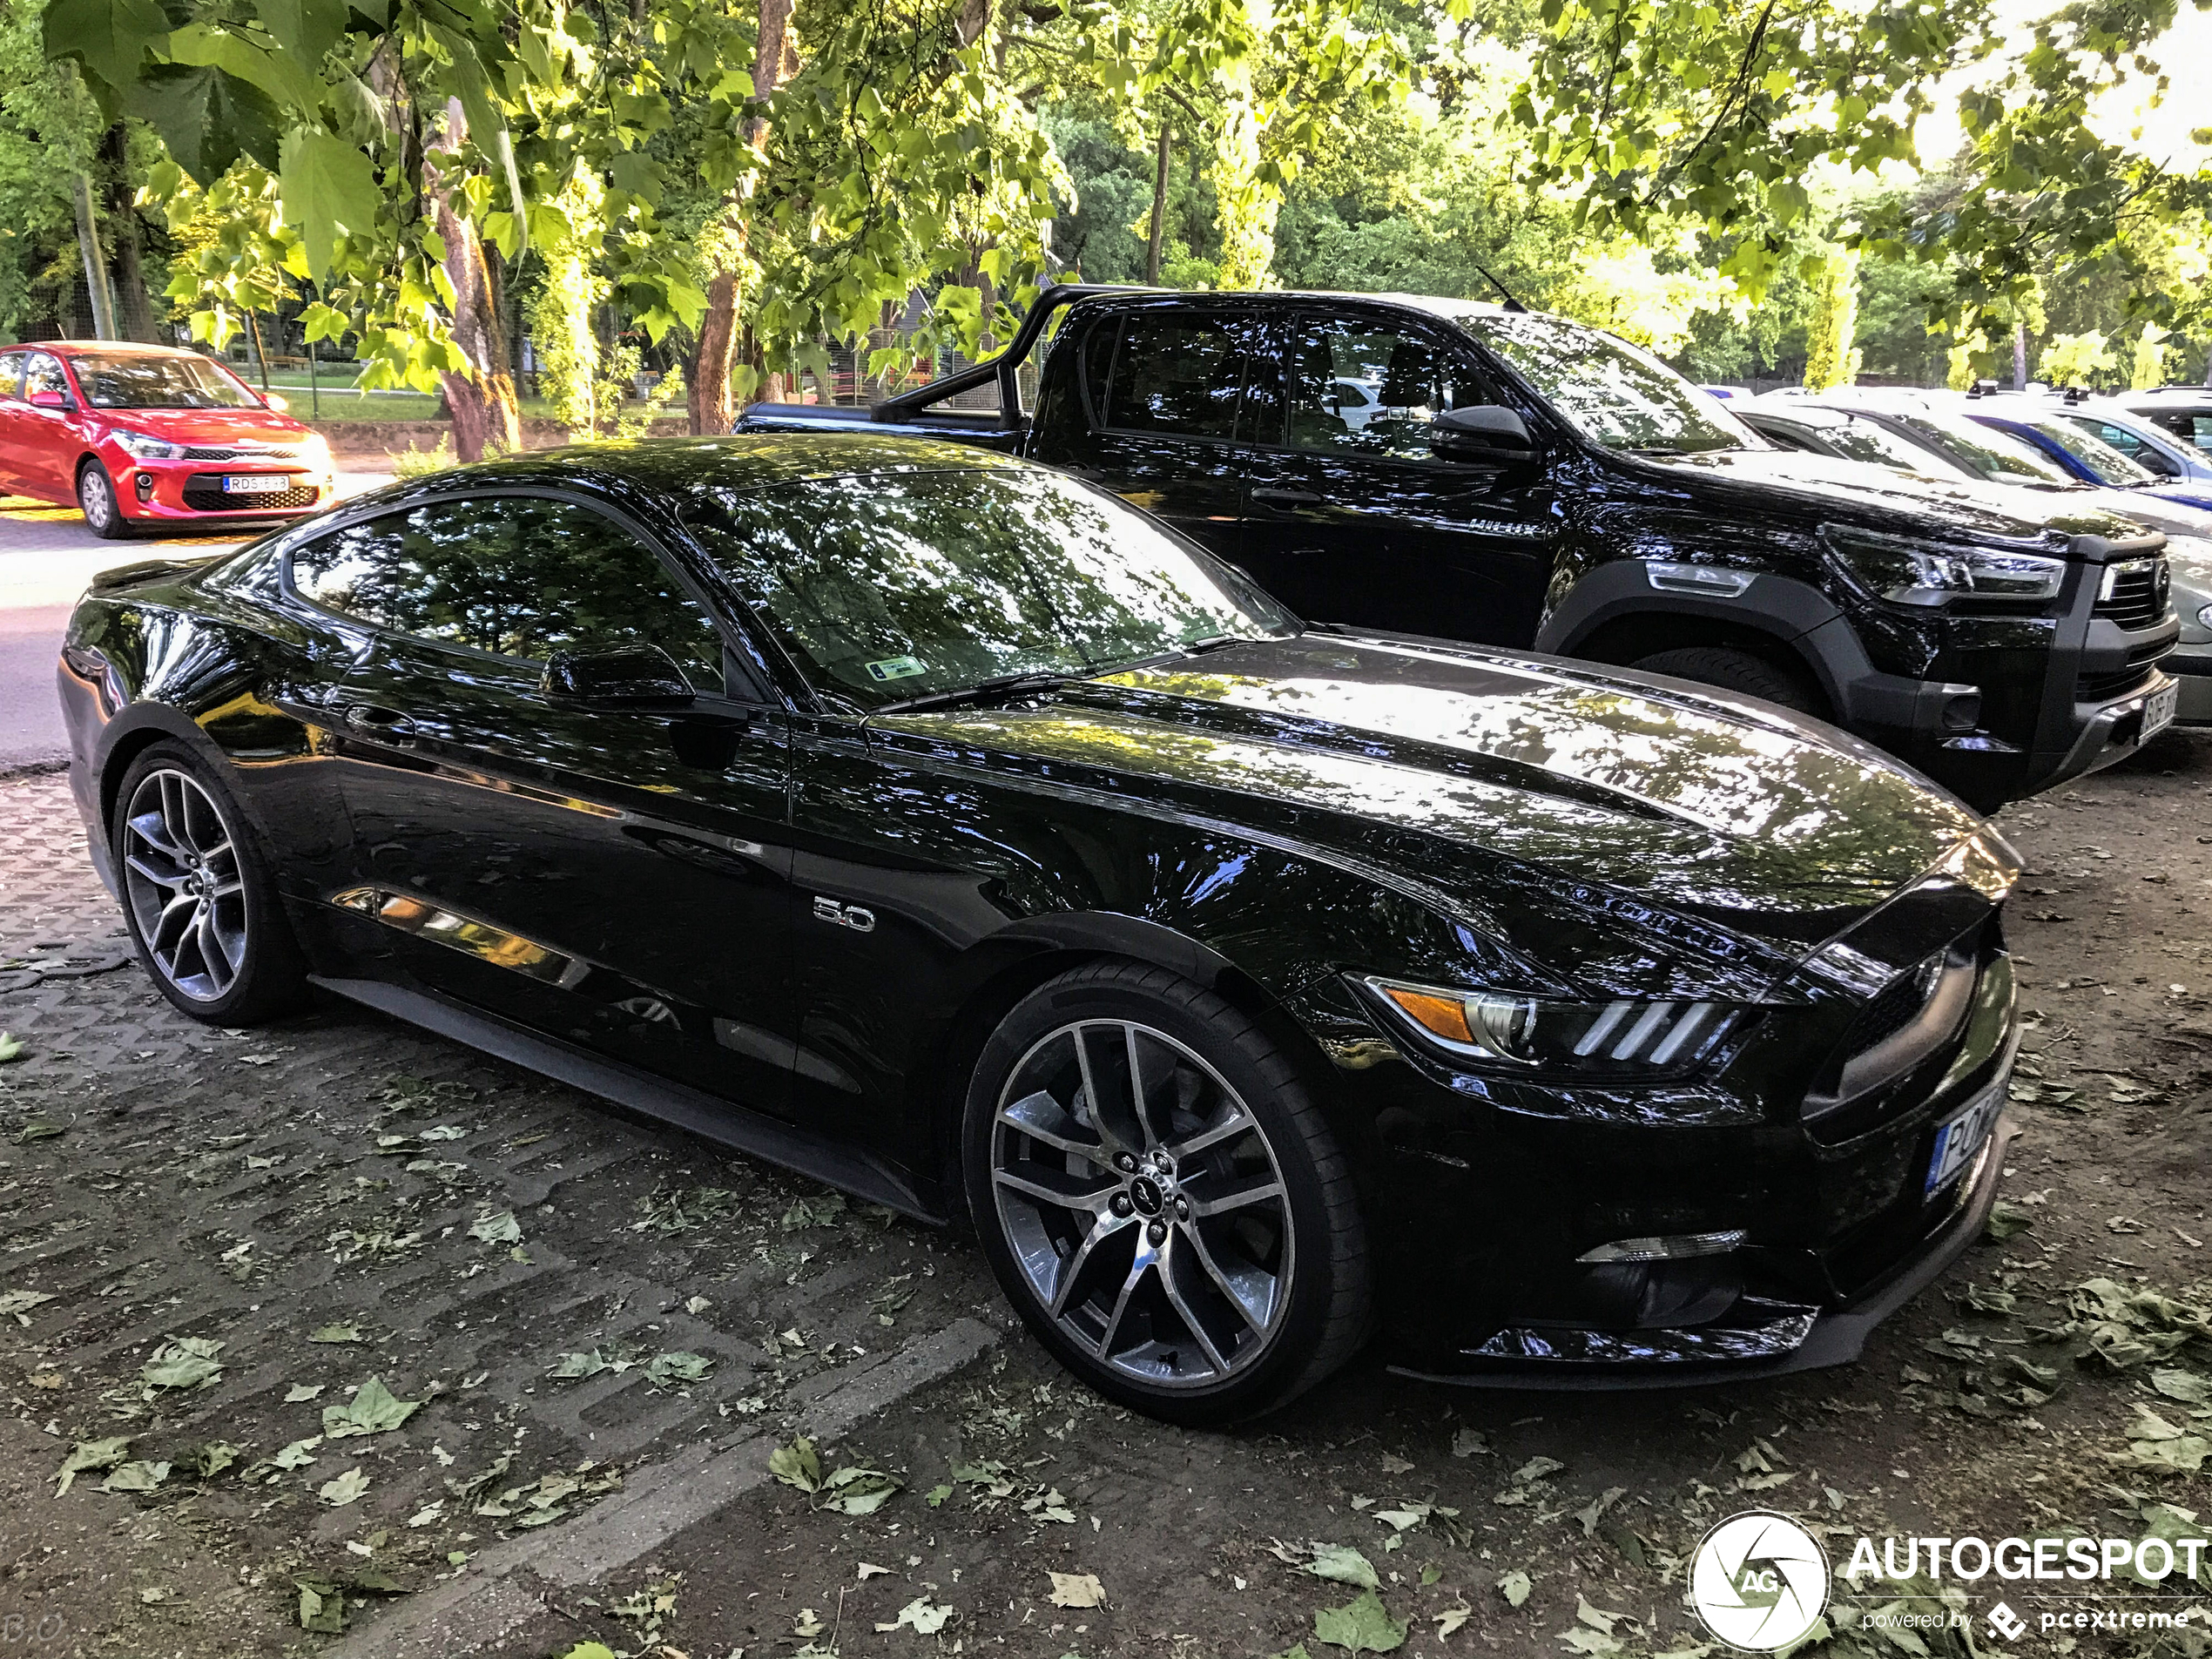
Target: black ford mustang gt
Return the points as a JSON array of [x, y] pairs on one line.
[[938, 825]]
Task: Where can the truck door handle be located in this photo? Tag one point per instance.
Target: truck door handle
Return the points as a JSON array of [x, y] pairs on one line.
[[1267, 495], [371, 721]]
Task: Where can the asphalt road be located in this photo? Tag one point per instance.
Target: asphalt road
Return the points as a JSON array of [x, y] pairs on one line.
[[46, 558]]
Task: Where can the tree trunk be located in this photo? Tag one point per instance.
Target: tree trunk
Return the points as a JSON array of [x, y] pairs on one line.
[[1159, 209], [88, 244], [485, 413], [133, 308], [2019, 355], [707, 377]]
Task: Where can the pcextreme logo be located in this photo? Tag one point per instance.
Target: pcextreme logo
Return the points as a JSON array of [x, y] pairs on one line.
[[1759, 1581]]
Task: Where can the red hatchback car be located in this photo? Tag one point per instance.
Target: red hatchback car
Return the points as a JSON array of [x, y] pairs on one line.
[[145, 435]]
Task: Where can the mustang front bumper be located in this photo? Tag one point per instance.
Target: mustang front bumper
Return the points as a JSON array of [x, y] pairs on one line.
[[1757, 1338]]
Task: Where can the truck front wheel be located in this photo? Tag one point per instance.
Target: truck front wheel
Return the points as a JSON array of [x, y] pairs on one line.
[[1739, 670]]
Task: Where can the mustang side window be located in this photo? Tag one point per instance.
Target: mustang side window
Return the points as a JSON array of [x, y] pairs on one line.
[[1361, 390], [513, 575], [1179, 375]]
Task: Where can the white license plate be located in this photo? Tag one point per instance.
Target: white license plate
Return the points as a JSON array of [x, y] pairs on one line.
[[256, 484], [1960, 1136], [2159, 709]]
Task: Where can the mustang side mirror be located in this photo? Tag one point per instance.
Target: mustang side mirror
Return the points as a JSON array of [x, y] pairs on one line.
[[637, 674], [1482, 432], [52, 400]]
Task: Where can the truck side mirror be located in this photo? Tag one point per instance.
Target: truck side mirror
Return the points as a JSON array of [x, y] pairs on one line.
[[1482, 432]]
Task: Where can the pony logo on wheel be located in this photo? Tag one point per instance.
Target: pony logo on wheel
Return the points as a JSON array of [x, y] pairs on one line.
[[1759, 1581]]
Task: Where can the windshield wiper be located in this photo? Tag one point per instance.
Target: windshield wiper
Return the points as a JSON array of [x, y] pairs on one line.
[[996, 685], [1205, 642]]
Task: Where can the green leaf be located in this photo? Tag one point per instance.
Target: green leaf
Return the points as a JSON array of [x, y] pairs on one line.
[[91, 1454], [1344, 1565], [207, 117], [1362, 1626], [10, 1046], [136, 1477], [109, 38], [495, 1227], [322, 1607], [15, 1302], [589, 1650], [330, 188], [797, 1465], [2006, 1220], [860, 1492], [282, 77], [373, 1410], [299, 1454], [347, 1332], [670, 1369], [1515, 1586], [188, 1362], [213, 1458], [343, 1490], [306, 29]]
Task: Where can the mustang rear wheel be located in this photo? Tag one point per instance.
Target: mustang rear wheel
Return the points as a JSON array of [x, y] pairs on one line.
[[202, 910], [1160, 1198]]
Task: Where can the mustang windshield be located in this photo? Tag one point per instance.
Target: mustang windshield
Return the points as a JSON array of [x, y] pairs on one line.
[[887, 587], [1615, 394], [130, 381]]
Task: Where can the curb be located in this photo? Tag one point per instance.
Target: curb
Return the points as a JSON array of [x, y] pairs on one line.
[[495, 1597]]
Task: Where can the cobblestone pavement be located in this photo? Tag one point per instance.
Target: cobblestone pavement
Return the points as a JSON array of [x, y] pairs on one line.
[[341, 1196]]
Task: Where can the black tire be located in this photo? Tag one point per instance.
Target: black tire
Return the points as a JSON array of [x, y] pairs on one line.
[[1206, 1069], [96, 498], [218, 878], [1740, 670]]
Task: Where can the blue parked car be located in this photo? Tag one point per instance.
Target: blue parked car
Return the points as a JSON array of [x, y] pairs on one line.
[[2100, 443]]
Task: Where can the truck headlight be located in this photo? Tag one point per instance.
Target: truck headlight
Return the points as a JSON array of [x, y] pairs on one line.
[[1909, 572], [1624, 1037]]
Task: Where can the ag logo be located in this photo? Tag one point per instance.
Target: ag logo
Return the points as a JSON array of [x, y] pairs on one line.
[[1759, 1581]]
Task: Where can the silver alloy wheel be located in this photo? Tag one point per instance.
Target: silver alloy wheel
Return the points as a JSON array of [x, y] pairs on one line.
[[180, 877], [97, 496], [1142, 1203]]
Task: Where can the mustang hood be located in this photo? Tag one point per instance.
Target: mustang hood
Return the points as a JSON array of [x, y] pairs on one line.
[[1452, 766]]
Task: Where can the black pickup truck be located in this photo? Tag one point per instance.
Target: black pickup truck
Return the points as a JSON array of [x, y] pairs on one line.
[[1488, 474]]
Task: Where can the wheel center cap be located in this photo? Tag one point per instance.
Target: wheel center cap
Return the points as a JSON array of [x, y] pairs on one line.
[[1144, 1193]]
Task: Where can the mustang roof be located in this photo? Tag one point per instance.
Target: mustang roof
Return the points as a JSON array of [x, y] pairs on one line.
[[741, 462]]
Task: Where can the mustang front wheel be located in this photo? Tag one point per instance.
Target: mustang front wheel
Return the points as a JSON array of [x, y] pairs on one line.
[[1160, 1198], [203, 913]]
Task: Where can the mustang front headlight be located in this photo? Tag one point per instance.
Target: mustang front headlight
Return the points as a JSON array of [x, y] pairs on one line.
[[1908, 572], [1624, 1038], [145, 447]]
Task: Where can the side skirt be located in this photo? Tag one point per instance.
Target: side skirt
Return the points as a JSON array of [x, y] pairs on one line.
[[673, 1102]]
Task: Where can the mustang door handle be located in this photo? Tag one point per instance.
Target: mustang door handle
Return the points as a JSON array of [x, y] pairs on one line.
[[1270, 496], [371, 721]]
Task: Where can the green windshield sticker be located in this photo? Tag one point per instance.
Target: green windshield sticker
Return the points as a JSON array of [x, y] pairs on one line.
[[895, 668]]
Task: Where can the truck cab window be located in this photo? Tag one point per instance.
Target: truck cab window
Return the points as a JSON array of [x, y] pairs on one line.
[[1176, 374], [1358, 389]]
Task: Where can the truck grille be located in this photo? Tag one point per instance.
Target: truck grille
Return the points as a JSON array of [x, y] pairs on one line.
[[2133, 592], [2102, 688]]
